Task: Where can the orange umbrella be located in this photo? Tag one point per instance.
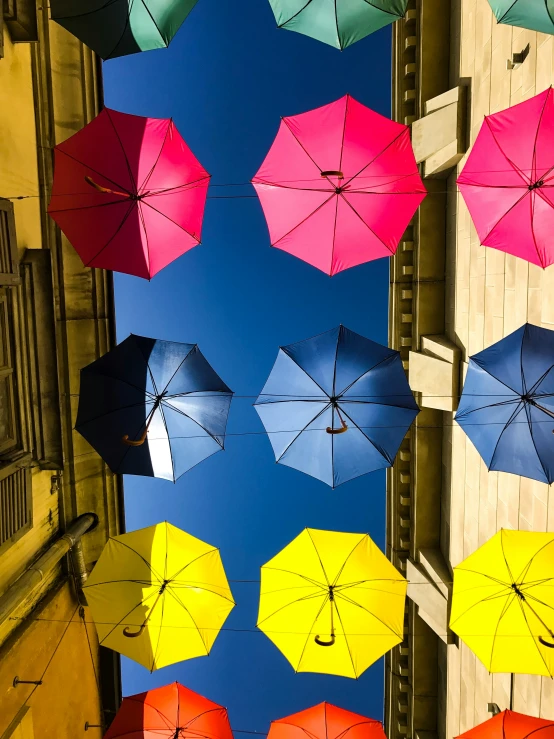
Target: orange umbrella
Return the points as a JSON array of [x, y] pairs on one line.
[[326, 721], [511, 725]]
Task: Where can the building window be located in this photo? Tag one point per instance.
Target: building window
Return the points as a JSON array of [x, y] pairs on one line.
[[10, 440], [16, 510]]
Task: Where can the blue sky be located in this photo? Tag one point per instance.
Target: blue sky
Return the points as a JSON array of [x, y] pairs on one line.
[[226, 79]]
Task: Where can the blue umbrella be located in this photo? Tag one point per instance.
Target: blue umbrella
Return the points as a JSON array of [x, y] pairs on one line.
[[507, 405], [153, 408], [336, 406]]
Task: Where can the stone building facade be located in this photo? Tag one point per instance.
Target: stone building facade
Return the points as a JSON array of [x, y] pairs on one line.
[[450, 298]]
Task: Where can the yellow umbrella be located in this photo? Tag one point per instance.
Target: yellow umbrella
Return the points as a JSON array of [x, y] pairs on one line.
[[332, 603], [159, 596], [503, 602]]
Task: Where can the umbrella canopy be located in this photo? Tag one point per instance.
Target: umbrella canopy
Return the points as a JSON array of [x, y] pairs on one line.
[[153, 408], [128, 193], [159, 596], [508, 180], [337, 23], [507, 405], [511, 725], [171, 712], [503, 603], [536, 15], [332, 603], [326, 721], [114, 28], [339, 185], [336, 406]]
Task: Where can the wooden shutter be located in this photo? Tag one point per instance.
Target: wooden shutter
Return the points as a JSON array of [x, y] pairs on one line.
[[9, 263], [16, 513]]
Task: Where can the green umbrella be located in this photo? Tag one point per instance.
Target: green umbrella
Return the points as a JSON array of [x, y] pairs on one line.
[[536, 15], [339, 23], [118, 27]]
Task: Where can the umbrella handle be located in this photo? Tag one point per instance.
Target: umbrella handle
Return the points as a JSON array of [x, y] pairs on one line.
[[323, 642], [133, 634], [98, 187], [125, 439], [333, 173], [546, 643], [343, 428]]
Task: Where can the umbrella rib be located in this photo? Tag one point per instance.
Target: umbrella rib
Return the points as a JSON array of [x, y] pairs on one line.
[[284, 350], [114, 410], [183, 606], [500, 149], [346, 641], [85, 207], [532, 635], [192, 185], [288, 605], [377, 448], [87, 166], [532, 201], [339, 40], [155, 653], [502, 614], [154, 573], [162, 414], [356, 545], [285, 121], [118, 229], [501, 19], [122, 619], [366, 224], [165, 43], [205, 589], [297, 574], [187, 355], [383, 10], [126, 25], [129, 170], [359, 605], [319, 558], [496, 378], [285, 450], [294, 16], [145, 202], [143, 224], [516, 412], [319, 207], [467, 413], [527, 566], [534, 160], [88, 12], [402, 132], [334, 238], [169, 124], [178, 410], [531, 432], [325, 601], [204, 554], [366, 372], [132, 699]]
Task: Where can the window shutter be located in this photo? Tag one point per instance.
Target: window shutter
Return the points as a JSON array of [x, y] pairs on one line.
[[9, 263], [16, 512]]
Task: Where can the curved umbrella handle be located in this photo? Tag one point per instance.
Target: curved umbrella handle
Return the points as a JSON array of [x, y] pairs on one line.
[[125, 439], [337, 431], [546, 643], [333, 173], [133, 634], [323, 643], [98, 187]]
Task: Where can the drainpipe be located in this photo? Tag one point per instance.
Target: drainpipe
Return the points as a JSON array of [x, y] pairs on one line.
[[38, 571]]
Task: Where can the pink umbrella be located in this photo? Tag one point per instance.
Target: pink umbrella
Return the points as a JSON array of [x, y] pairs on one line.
[[508, 180], [339, 185], [128, 193]]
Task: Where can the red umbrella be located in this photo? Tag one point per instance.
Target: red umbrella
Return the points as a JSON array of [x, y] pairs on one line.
[[508, 180], [128, 193], [339, 185], [326, 721], [173, 712], [511, 725]]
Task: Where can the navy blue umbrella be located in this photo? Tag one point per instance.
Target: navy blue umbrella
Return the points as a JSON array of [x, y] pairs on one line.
[[153, 408], [507, 405], [336, 406]]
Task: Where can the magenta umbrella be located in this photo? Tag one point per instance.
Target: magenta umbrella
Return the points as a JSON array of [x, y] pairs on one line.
[[339, 185], [128, 193], [508, 180]]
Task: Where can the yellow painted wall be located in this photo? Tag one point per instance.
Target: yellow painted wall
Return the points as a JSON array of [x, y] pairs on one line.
[[68, 697]]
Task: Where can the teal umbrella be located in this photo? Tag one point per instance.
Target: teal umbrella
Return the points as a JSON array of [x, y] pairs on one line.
[[339, 23], [536, 15], [119, 27]]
